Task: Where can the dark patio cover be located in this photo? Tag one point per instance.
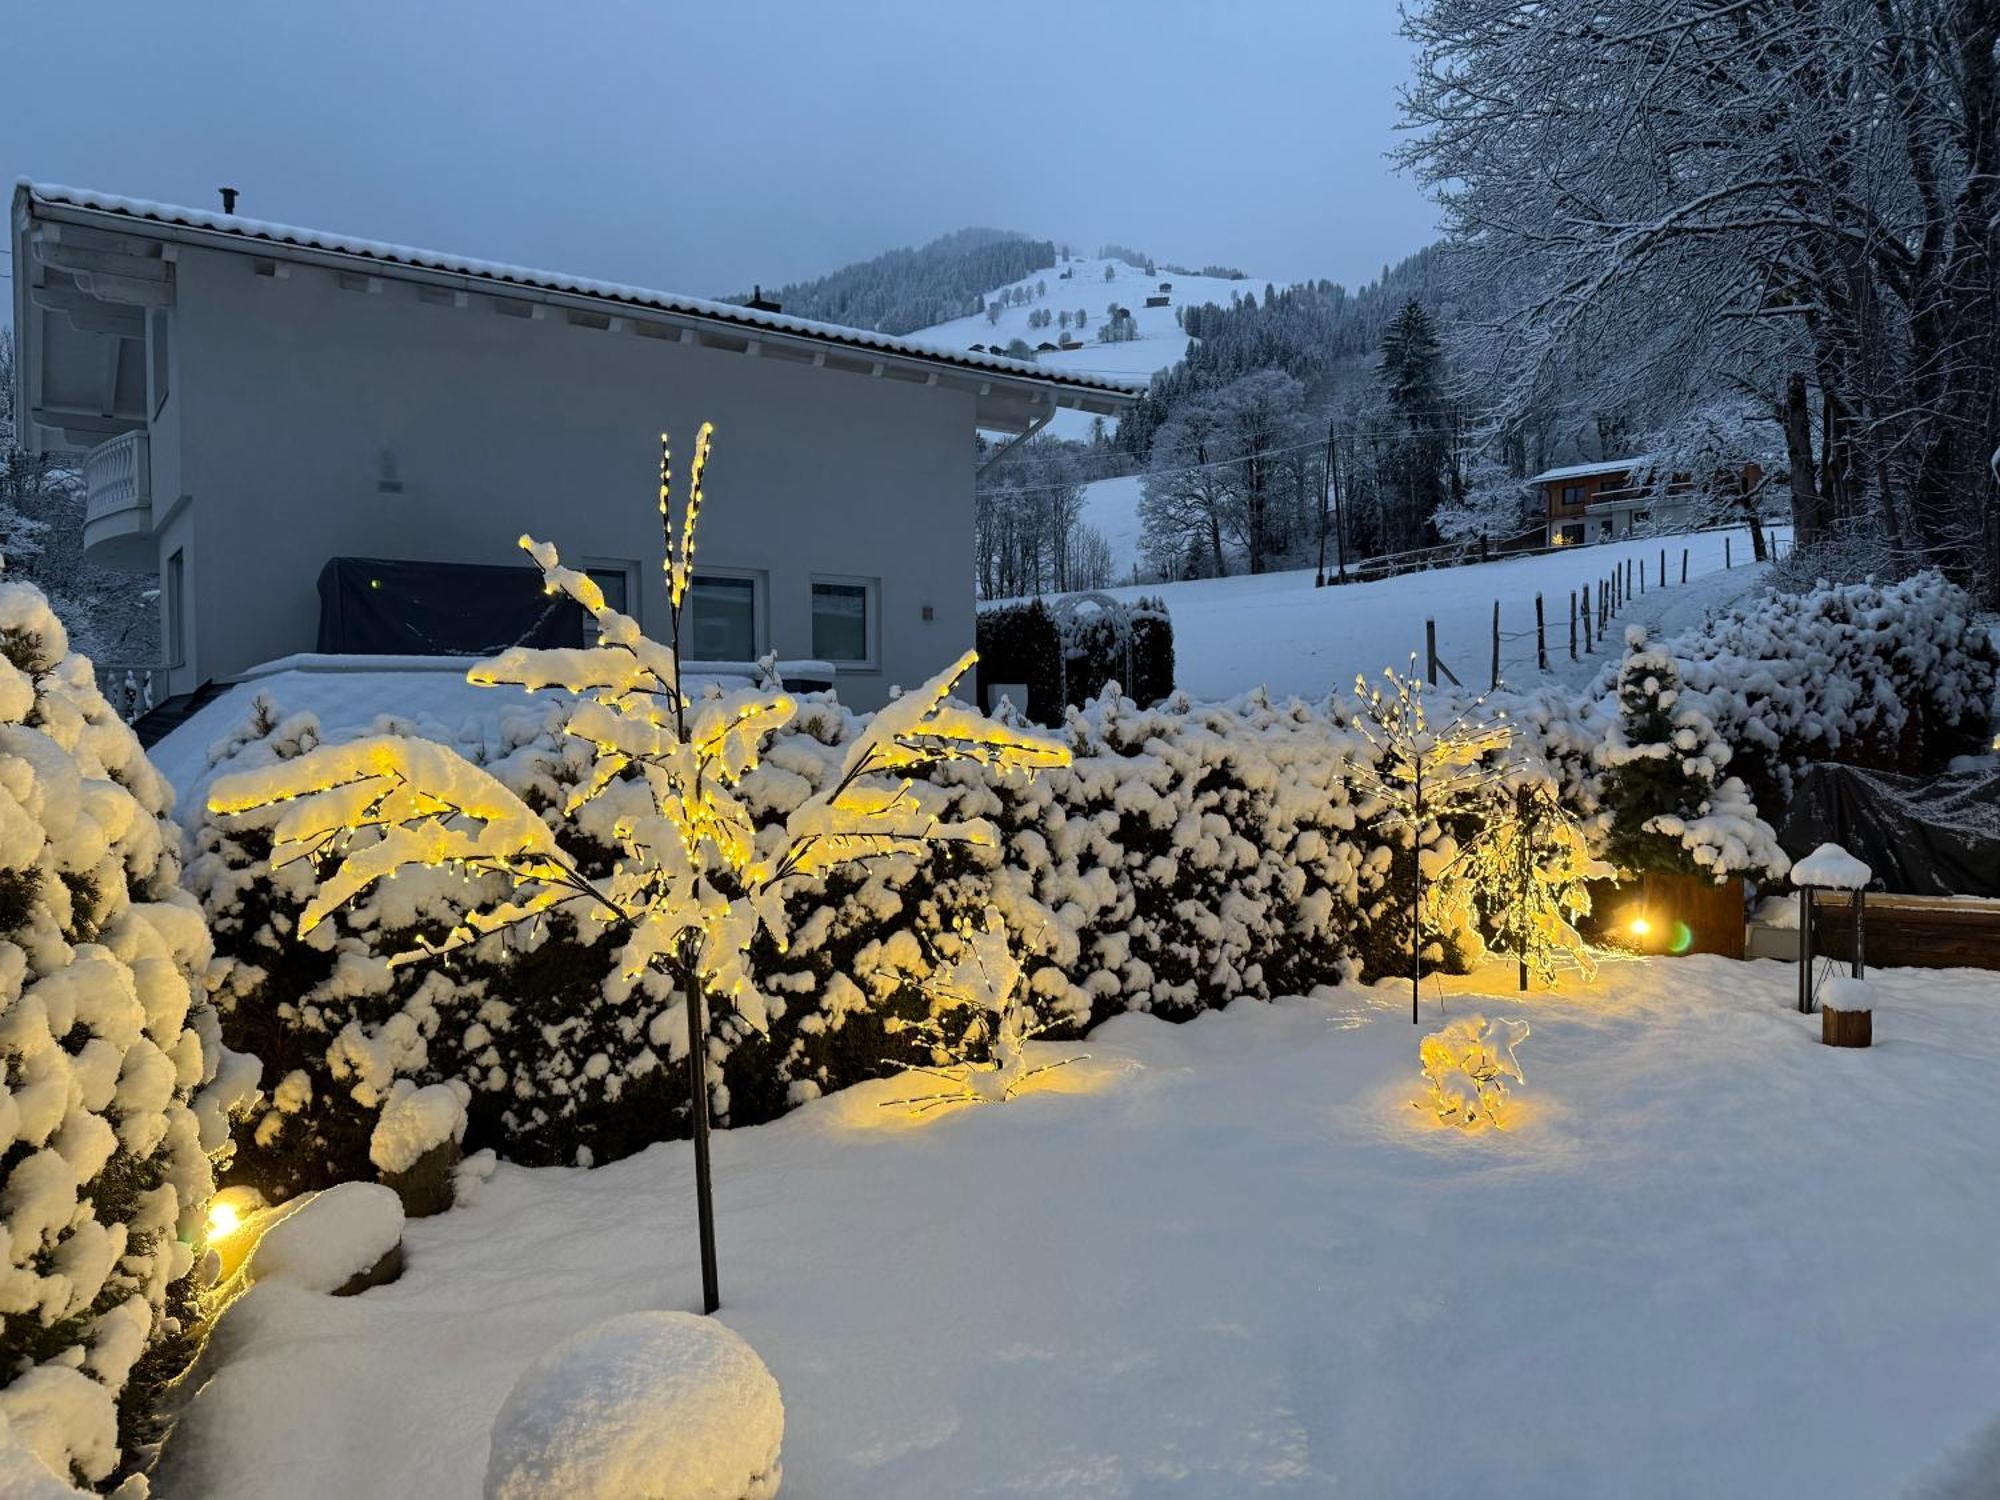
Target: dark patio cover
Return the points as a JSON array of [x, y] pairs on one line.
[[371, 606], [1936, 836]]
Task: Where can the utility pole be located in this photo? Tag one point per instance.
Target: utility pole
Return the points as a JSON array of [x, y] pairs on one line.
[[1339, 511], [1325, 488]]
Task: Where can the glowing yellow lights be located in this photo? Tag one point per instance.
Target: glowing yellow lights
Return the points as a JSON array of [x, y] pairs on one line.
[[224, 1219], [1641, 927]]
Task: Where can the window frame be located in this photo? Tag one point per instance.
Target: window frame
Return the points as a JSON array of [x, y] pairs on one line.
[[871, 619], [173, 597], [760, 594]]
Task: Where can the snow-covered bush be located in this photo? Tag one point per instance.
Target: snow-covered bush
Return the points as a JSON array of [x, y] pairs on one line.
[[1466, 1067], [1893, 676], [114, 1088], [1669, 805], [643, 1406]]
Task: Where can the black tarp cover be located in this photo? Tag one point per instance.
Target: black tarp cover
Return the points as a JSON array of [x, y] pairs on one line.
[[370, 606], [1935, 836]]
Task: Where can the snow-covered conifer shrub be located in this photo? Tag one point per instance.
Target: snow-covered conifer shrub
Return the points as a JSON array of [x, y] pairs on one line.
[[1670, 806], [115, 1090]]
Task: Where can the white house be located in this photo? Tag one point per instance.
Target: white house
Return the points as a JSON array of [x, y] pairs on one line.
[[255, 402]]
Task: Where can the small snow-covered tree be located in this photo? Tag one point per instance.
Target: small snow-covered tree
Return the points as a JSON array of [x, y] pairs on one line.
[[981, 1020], [114, 1088], [1529, 871], [1466, 1067], [1671, 808], [693, 883], [1422, 773]]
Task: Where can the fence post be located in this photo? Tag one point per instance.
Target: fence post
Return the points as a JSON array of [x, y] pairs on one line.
[[1496, 643], [1541, 637], [1684, 565], [1572, 624], [1431, 651], [1628, 578], [1725, 552], [1663, 567], [1642, 575]]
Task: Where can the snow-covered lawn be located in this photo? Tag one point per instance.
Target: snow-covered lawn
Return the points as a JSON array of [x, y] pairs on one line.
[[1709, 1257], [1276, 629]]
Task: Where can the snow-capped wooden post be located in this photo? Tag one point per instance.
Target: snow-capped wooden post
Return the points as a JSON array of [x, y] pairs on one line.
[[1847, 1013], [1827, 868]]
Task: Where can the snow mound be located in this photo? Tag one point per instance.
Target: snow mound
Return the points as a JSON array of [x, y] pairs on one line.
[[1831, 867], [644, 1406], [1845, 992], [414, 1121], [330, 1238]]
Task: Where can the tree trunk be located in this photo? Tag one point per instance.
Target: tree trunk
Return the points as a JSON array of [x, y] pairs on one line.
[[1808, 512]]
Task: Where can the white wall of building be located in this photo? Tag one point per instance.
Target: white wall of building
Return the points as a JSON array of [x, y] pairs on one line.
[[295, 398]]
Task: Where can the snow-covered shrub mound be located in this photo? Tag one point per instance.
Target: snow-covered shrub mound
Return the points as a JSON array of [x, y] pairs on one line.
[[1896, 676], [328, 1239], [115, 1086], [644, 1406]]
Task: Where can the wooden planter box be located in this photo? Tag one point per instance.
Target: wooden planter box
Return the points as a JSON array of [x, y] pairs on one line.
[[1917, 932], [1683, 914]]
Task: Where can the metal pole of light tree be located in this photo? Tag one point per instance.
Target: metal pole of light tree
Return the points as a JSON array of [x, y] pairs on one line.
[[1805, 949], [1522, 875], [1572, 624], [1496, 643], [1860, 903], [704, 1187], [1431, 651], [1417, 889], [1541, 637]]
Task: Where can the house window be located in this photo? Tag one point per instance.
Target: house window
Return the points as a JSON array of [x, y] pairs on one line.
[[175, 600], [615, 579], [720, 620], [843, 621], [1604, 527], [1570, 535], [1573, 494]]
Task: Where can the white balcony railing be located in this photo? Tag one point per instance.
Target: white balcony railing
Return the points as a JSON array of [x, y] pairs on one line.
[[117, 476]]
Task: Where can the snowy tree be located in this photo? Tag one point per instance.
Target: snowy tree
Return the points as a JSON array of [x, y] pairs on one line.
[[1466, 1067], [1528, 871], [980, 1022], [117, 1089], [1670, 806], [993, 311], [693, 883], [1422, 773]]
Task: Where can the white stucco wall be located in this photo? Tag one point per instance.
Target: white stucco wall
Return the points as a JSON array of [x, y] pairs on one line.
[[289, 392]]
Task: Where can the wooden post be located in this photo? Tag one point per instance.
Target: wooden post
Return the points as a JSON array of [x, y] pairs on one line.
[[1431, 651], [1496, 643], [1541, 637], [1684, 565], [1663, 567], [1628, 578], [1725, 552], [1642, 575], [1572, 624], [1847, 1028]]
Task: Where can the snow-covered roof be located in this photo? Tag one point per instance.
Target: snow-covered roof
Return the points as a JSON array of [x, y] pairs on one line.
[[386, 257], [1587, 471]]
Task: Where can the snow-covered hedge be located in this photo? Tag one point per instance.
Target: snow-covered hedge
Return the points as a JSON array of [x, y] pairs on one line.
[[1895, 676], [1189, 855], [110, 1102]]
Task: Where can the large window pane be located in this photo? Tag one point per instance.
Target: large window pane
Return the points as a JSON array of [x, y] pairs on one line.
[[840, 622], [721, 619]]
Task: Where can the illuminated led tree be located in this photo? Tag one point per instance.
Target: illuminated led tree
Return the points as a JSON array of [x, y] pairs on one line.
[[979, 1025], [693, 883], [1528, 872], [1466, 1068], [1422, 773]]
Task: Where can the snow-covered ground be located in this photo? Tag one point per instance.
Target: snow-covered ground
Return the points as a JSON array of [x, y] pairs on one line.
[[1277, 630], [1159, 344], [1708, 1257]]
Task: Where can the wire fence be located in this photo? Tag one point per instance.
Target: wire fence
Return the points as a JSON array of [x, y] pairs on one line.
[[1574, 625]]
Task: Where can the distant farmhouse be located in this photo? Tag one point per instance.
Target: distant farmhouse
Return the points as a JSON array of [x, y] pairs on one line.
[[1599, 502], [310, 438]]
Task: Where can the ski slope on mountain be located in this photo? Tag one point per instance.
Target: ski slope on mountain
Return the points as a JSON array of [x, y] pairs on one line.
[[1277, 631], [1159, 344]]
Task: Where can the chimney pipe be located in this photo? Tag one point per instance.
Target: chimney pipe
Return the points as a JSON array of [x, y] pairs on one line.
[[228, 200]]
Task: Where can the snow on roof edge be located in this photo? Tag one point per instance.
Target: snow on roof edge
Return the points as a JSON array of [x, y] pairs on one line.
[[1580, 471], [264, 231]]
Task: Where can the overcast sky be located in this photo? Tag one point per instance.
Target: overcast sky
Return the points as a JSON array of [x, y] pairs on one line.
[[700, 148]]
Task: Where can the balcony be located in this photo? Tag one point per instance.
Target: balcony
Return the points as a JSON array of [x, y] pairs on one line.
[[118, 504]]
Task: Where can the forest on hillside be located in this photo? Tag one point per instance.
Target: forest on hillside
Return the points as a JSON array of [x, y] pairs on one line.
[[903, 290]]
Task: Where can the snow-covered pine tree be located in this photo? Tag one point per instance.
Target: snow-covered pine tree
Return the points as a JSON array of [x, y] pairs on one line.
[[110, 1101], [692, 884], [1671, 809]]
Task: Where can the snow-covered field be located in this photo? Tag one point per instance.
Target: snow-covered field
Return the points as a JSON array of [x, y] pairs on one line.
[[1276, 629], [1159, 344], [1708, 1257]]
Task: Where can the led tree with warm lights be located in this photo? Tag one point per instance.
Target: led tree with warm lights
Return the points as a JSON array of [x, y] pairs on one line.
[[693, 881], [1423, 773], [1529, 871]]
